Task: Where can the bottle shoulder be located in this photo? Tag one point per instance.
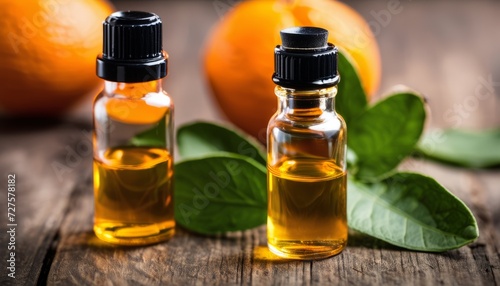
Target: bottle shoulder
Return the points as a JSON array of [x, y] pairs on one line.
[[149, 108], [327, 121], [160, 99], [331, 130]]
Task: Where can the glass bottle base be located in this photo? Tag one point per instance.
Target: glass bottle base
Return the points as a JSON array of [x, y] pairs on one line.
[[307, 250], [134, 234]]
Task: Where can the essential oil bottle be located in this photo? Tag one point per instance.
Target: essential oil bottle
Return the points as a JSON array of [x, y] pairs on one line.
[[306, 150], [133, 134]]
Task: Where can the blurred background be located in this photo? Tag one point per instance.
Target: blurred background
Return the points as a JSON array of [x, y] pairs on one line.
[[221, 62], [447, 50]]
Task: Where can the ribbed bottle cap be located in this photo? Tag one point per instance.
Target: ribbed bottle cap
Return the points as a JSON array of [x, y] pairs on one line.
[[132, 48], [305, 60]]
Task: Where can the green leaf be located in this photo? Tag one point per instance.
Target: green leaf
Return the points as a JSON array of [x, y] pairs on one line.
[[350, 101], [476, 149], [385, 134], [202, 138], [411, 211], [220, 193], [155, 136]]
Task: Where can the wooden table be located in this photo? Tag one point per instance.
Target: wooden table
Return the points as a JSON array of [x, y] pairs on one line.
[[445, 49]]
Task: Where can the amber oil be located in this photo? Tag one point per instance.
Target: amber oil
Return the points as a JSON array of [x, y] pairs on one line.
[[306, 176], [133, 180], [133, 134], [133, 196]]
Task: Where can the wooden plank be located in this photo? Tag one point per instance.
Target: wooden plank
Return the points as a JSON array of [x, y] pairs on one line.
[[45, 157], [187, 258], [366, 264], [489, 181], [244, 259], [55, 217], [475, 188]]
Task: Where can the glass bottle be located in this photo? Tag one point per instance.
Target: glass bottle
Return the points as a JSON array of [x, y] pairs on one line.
[[306, 150], [133, 134]]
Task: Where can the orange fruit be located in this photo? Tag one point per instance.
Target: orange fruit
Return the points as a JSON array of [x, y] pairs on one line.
[[239, 63], [48, 51]]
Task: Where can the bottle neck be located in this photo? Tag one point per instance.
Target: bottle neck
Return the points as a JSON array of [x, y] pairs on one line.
[[306, 103], [132, 90]]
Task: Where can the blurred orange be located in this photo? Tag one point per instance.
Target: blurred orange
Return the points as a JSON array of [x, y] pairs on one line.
[[238, 59], [148, 109], [48, 50]]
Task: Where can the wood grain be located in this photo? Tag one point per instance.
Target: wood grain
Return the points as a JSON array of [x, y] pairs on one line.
[[243, 258], [442, 48], [31, 150]]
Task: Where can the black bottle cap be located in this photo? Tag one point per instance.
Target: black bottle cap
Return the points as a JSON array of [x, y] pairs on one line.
[[132, 48], [305, 60]]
